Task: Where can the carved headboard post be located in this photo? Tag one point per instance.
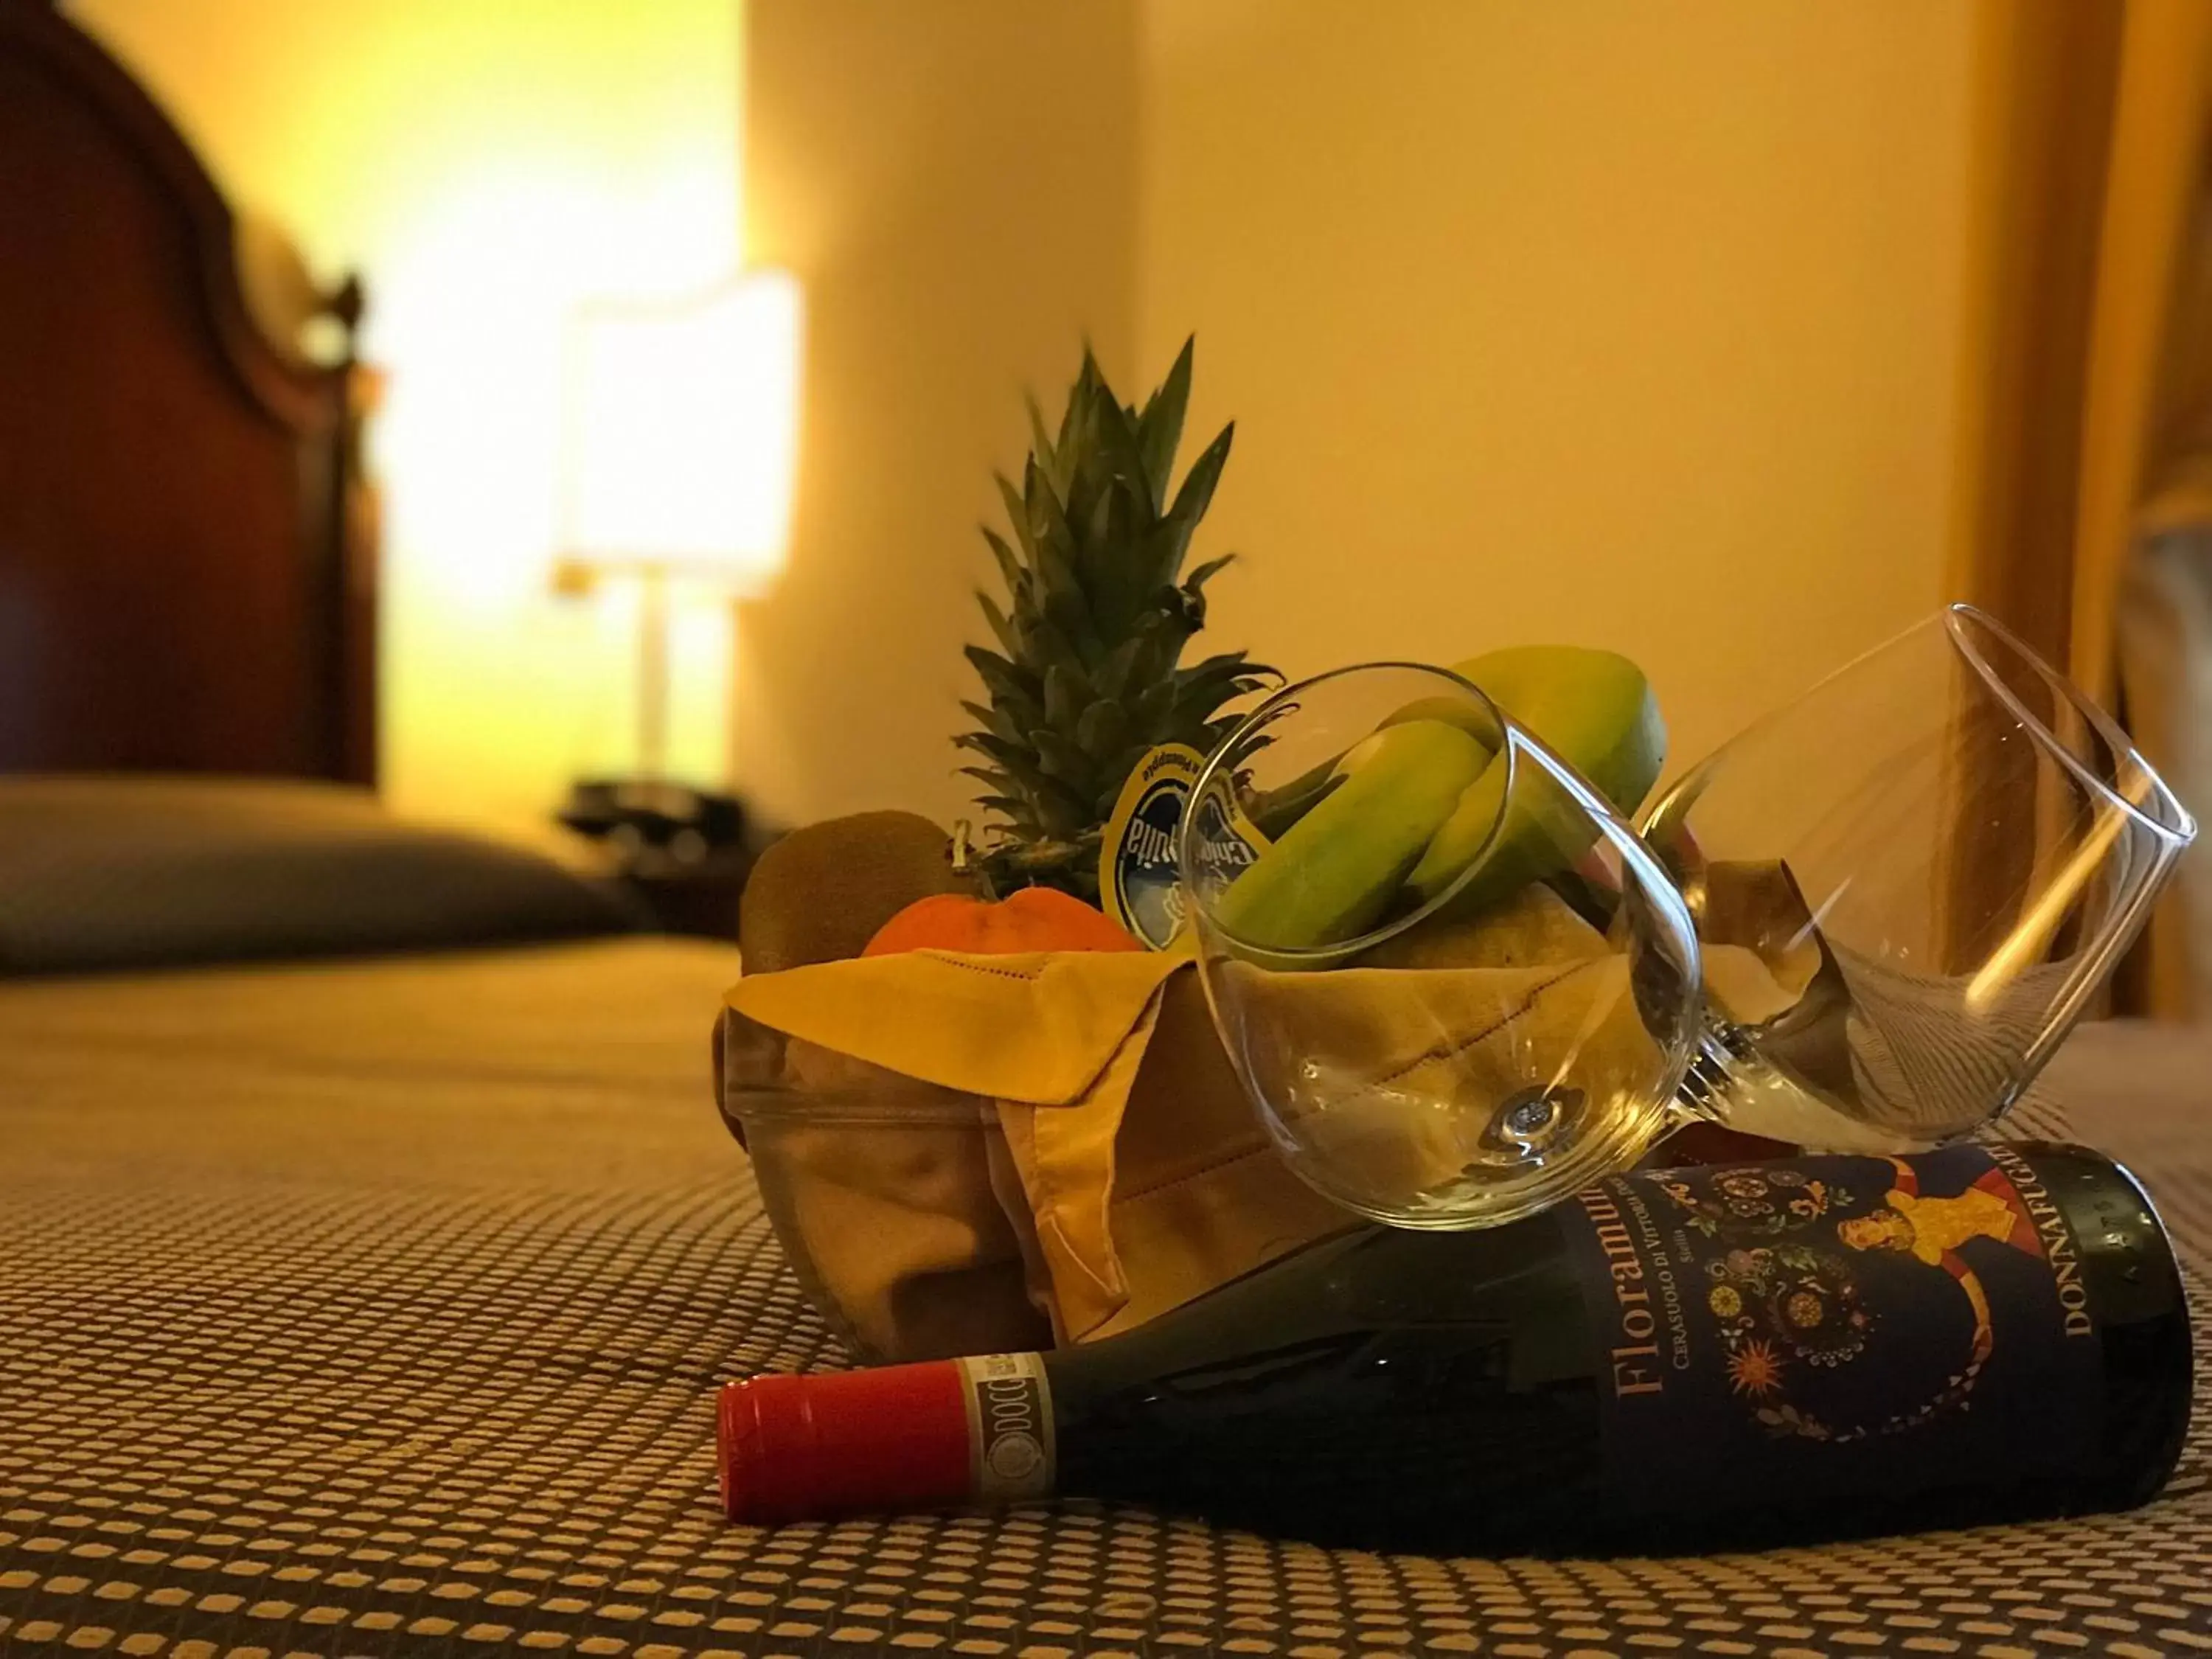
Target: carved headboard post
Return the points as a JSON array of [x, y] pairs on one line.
[[350, 525], [187, 544], [359, 534]]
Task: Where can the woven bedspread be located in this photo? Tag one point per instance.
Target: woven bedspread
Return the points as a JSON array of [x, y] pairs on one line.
[[377, 1309]]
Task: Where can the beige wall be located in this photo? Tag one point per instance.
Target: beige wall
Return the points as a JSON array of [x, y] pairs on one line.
[[1574, 320], [955, 184], [1626, 324]]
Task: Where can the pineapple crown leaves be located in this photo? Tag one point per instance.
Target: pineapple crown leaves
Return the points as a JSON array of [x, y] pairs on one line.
[[1085, 679]]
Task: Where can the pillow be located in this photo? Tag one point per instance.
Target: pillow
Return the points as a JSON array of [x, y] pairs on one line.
[[111, 872]]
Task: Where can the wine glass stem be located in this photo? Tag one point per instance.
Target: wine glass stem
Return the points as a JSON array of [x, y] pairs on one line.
[[1733, 1082], [1707, 1083]]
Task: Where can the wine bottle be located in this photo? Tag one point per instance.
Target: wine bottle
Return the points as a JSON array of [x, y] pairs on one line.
[[1729, 1355]]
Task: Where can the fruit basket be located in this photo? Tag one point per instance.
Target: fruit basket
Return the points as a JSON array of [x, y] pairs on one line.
[[976, 1075]]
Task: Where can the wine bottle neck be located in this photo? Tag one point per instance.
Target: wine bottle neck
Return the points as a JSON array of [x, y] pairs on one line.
[[927, 1435]]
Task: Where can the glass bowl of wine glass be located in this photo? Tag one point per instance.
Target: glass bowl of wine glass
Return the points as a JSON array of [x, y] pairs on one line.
[[1453, 983], [1908, 885]]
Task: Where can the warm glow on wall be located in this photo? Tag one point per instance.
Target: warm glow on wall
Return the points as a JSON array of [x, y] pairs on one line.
[[489, 167]]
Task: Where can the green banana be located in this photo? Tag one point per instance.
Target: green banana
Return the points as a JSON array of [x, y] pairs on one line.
[[1596, 710], [1463, 712], [1336, 870], [1273, 812]]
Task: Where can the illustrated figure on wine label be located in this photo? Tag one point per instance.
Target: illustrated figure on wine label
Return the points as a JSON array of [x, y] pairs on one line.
[[1933, 1229], [1783, 1297]]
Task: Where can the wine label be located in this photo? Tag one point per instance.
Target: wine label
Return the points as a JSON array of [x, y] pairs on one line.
[[1010, 1438], [1835, 1325], [1138, 883]]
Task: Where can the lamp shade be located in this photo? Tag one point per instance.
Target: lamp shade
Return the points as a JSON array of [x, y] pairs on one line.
[[682, 421]]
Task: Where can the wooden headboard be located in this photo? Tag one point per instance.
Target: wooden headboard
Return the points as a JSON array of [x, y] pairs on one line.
[[186, 545]]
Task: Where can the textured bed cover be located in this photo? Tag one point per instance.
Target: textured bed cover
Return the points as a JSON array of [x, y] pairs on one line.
[[377, 1309]]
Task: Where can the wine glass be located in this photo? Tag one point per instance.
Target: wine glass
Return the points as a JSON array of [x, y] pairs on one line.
[[1454, 984], [1908, 885]]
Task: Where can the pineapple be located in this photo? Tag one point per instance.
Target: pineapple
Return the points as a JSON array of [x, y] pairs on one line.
[[1086, 680]]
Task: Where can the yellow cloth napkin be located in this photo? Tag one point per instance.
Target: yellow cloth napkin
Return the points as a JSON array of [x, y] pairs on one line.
[[1140, 1175], [1038, 1028]]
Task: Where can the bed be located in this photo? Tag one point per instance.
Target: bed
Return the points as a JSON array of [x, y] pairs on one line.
[[364, 1286]]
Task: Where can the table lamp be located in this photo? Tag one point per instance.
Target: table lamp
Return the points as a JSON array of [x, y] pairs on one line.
[[682, 432]]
